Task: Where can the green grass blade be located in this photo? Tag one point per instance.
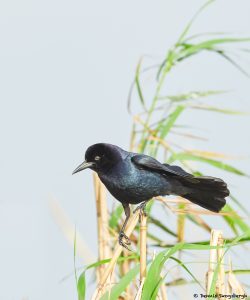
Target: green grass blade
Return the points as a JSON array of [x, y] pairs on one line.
[[187, 28], [238, 203], [188, 156], [170, 121], [138, 85], [236, 219], [191, 49], [81, 286], [187, 270], [115, 217], [165, 126], [193, 95], [121, 286], [159, 224], [153, 277], [232, 61], [239, 271], [105, 261], [199, 222], [217, 109]]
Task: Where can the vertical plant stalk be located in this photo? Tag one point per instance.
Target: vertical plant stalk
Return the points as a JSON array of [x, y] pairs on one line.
[[139, 293], [102, 223], [213, 259], [220, 288], [163, 292], [233, 283], [181, 223], [125, 267], [228, 286], [143, 245], [118, 249]]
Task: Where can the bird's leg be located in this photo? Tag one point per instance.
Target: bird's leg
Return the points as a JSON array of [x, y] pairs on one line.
[[122, 233], [142, 208]]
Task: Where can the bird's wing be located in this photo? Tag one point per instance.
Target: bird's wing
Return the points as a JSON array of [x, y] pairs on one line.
[[147, 162]]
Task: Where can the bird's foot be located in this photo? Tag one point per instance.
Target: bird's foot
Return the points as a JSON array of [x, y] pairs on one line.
[[142, 208], [126, 242]]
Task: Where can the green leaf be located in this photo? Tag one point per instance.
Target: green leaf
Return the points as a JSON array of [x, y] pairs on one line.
[[137, 83], [217, 109], [238, 203], [121, 286], [105, 261], [168, 124], [178, 281], [162, 226], [187, 270], [235, 219], [231, 224], [153, 237], [115, 217], [233, 62], [239, 271], [185, 31], [153, 278], [164, 127], [81, 286], [199, 222], [183, 156], [191, 49], [193, 95]]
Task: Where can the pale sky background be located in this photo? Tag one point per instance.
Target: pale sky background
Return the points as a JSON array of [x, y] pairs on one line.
[[65, 71]]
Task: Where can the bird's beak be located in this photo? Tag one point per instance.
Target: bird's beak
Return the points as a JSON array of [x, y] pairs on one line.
[[83, 166]]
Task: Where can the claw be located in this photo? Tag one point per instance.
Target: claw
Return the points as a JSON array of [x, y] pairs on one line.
[[127, 242], [123, 235]]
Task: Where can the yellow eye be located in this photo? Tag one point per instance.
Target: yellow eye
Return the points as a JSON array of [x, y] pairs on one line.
[[97, 157]]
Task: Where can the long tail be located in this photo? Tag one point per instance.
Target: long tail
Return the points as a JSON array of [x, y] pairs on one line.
[[208, 192]]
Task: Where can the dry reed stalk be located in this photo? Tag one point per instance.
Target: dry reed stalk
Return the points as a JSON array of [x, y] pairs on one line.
[[181, 223], [139, 292], [102, 223], [200, 212], [189, 208], [202, 223], [143, 245], [169, 200], [125, 266], [213, 260], [132, 138], [118, 249], [163, 291], [233, 283], [138, 120], [228, 286], [221, 274]]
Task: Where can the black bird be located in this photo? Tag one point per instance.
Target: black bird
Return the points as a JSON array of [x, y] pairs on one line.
[[134, 178]]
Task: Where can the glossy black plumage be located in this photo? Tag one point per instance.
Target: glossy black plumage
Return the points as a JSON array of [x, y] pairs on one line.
[[134, 178]]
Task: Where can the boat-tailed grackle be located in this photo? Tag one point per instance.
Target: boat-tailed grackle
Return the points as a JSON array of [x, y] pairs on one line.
[[134, 178]]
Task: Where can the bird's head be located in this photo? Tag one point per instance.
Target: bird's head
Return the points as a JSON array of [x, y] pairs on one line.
[[100, 157]]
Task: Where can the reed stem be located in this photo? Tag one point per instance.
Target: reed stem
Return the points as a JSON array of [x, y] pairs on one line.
[[143, 246], [102, 223], [213, 260], [118, 249]]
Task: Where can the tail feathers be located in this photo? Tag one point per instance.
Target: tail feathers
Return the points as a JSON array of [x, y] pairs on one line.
[[208, 192]]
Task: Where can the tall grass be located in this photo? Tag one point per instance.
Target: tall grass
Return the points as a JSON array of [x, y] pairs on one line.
[[149, 272]]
